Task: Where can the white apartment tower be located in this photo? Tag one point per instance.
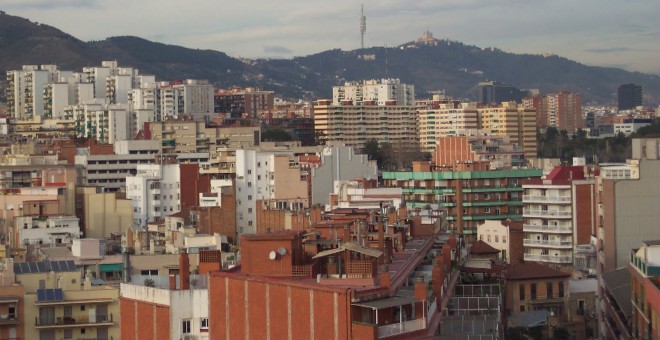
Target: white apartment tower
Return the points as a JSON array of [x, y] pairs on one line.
[[155, 191]]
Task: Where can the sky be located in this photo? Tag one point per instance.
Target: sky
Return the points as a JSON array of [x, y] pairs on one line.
[[611, 33]]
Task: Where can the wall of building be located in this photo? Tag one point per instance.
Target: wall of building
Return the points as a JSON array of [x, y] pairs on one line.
[[143, 320], [103, 213], [285, 310], [339, 164]]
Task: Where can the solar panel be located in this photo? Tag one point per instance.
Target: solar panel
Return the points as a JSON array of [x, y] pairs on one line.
[[55, 266], [50, 295]]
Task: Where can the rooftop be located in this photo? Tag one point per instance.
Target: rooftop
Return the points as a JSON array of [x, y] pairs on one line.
[[482, 248], [531, 271]]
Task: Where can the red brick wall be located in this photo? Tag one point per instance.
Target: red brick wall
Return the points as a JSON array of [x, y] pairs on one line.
[[584, 199], [220, 220], [306, 304], [192, 184], [255, 260], [140, 318]]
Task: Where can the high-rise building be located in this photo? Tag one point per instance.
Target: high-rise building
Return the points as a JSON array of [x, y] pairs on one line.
[[25, 90], [563, 110], [493, 92], [558, 215], [630, 96], [515, 123], [252, 102], [383, 110]]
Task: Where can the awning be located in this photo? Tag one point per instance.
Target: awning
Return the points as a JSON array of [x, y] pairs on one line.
[[328, 252], [111, 267], [393, 301], [9, 299]]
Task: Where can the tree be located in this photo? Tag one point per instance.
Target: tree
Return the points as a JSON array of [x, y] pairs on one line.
[[319, 137]]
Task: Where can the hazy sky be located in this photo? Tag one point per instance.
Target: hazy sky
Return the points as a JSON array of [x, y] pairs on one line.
[[614, 33]]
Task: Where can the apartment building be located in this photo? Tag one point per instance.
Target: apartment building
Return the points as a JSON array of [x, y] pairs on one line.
[[273, 177], [244, 102], [559, 215], [498, 151], [25, 90], [64, 307], [12, 303], [47, 230], [562, 110], [438, 119], [102, 213], [109, 171], [516, 123], [383, 110], [354, 295], [155, 190], [182, 135], [469, 192], [177, 310], [534, 286], [644, 270]]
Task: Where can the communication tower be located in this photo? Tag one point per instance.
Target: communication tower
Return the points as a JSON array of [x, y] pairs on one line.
[[363, 26]]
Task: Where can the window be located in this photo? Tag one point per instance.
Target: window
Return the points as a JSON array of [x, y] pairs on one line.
[[497, 239], [249, 184], [82, 307], [488, 238], [249, 210], [522, 308], [259, 177], [504, 239], [249, 172], [204, 324], [561, 289], [487, 210], [521, 291], [533, 291], [185, 327], [249, 197], [549, 290]]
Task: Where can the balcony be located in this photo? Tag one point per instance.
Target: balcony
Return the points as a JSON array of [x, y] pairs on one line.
[[546, 199], [549, 258], [401, 328], [547, 213], [548, 228], [8, 319], [549, 243], [69, 321]]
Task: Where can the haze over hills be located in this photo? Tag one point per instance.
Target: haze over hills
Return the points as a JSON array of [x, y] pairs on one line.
[[442, 65]]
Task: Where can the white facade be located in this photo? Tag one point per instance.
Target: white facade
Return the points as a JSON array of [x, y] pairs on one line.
[[53, 230], [548, 226], [25, 90], [253, 182], [351, 195], [155, 191], [197, 97], [381, 91]]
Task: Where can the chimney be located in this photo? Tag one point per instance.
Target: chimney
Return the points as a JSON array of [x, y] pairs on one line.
[[184, 270], [172, 281], [347, 233], [420, 297]]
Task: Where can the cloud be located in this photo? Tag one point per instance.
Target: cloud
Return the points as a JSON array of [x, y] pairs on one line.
[[611, 50], [277, 50]]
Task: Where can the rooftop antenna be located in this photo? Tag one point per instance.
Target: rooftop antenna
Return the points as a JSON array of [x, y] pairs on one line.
[[363, 26]]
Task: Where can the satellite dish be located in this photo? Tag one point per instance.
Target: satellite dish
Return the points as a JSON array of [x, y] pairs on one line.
[[282, 251], [272, 255]]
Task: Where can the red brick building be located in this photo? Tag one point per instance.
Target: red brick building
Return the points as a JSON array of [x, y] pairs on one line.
[[351, 285]]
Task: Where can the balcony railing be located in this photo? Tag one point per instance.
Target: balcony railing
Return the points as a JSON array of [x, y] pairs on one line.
[[549, 243], [552, 199], [8, 319], [69, 321], [549, 258], [401, 328], [550, 213], [548, 228]]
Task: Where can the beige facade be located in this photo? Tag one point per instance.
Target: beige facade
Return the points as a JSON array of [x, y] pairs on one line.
[[497, 235], [103, 213], [353, 125], [508, 120], [438, 120], [85, 311], [183, 136]]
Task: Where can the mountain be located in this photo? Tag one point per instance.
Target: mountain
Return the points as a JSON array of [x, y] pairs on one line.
[[430, 65]]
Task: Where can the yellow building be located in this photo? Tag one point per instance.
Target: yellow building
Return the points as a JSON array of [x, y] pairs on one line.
[[103, 213], [518, 124], [59, 306], [442, 119]]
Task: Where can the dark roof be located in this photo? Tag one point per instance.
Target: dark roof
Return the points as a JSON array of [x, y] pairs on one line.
[[531, 271], [482, 248], [618, 284]]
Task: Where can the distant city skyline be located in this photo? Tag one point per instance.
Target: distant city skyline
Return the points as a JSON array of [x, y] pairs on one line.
[[605, 33]]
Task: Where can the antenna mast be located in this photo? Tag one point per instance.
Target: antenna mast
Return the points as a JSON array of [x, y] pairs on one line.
[[363, 26]]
